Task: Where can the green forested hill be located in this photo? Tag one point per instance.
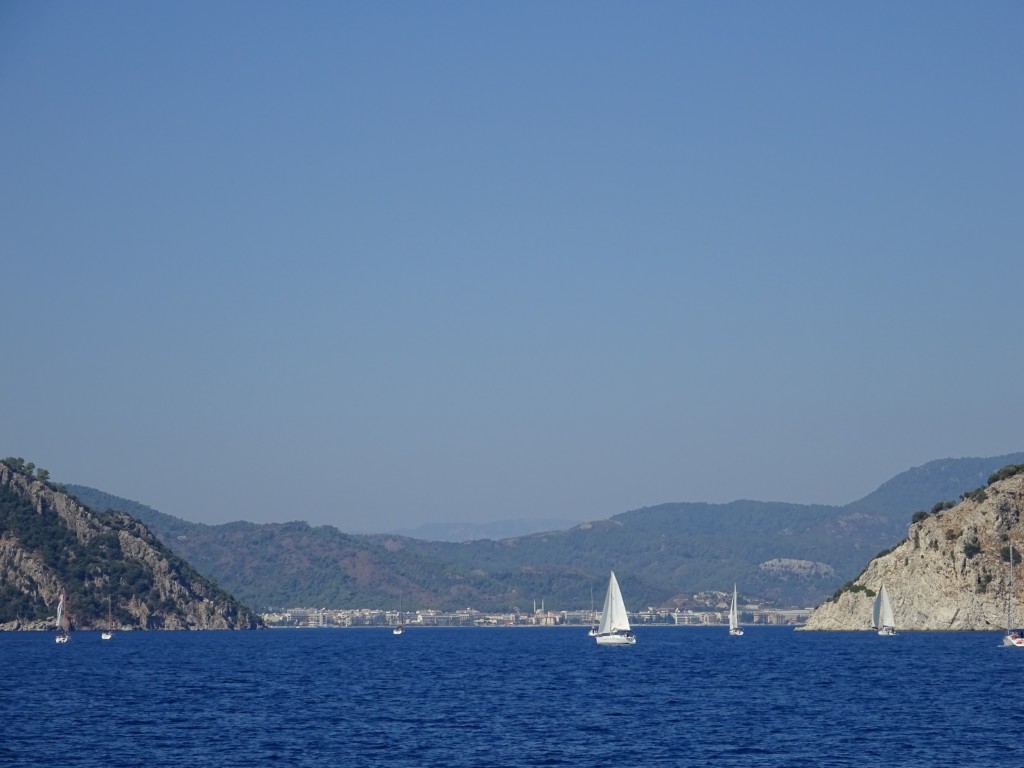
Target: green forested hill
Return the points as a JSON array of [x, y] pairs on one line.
[[788, 553], [675, 549], [922, 487]]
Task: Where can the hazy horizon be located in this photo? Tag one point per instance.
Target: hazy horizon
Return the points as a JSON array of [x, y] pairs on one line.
[[463, 530]]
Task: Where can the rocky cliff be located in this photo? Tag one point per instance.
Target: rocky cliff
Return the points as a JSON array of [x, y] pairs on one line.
[[50, 542], [952, 572]]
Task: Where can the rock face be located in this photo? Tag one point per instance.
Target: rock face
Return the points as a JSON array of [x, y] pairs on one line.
[[805, 569], [952, 572], [50, 543]]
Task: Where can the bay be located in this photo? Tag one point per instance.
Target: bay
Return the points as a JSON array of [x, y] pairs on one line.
[[508, 697]]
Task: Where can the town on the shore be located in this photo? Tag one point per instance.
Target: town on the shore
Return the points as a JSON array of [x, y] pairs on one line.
[[538, 617]]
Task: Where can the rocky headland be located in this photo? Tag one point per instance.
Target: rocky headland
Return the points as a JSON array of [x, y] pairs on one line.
[[50, 542], [952, 572]]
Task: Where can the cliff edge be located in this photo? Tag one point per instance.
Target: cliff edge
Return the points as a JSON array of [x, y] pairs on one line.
[[50, 542], [952, 572]]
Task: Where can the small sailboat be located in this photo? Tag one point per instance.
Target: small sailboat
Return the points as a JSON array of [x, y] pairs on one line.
[[1014, 638], [592, 632], [109, 632], [63, 622], [400, 629], [614, 627], [734, 616], [881, 614]]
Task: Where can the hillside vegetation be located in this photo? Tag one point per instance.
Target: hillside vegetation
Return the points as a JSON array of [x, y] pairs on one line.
[[786, 553], [50, 543]]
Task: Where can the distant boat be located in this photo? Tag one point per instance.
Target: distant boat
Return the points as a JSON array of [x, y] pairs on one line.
[[400, 629], [614, 627], [593, 627], [109, 633], [63, 623], [734, 616], [881, 614], [1014, 638]]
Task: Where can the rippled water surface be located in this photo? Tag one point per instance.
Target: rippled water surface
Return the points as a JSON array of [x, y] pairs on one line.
[[509, 697]]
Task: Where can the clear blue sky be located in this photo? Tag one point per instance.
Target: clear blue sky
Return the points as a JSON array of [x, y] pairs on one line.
[[380, 264]]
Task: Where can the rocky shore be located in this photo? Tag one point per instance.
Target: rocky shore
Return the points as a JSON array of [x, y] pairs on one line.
[[952, 572]]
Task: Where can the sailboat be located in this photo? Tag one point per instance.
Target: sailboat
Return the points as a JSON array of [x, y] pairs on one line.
[[734, 616], [63, 623], [592, 632], [881, 614], [614, 626], [1014, 638], [401, 626], [109, 632]]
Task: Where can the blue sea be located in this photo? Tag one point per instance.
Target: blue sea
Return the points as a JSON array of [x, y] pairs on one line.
[[509, 697]]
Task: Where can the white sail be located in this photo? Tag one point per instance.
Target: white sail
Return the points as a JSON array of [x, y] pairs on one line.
[[109, 631], [63, 623], [1014, 638], [613, 616], [881, 612], [614, 626], [734, 616]]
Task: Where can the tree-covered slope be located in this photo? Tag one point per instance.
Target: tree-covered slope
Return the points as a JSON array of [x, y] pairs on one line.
[[788, 553], [922, 487]]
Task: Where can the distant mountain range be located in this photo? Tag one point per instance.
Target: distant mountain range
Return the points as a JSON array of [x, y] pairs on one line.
[[499, 529], [789, 554]]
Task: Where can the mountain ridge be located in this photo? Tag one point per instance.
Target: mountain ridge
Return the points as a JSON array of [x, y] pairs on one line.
[[787, 554]]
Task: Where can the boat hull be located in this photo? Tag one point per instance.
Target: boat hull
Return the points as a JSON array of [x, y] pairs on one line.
[[62, 639], [735, 632], [887, 632], [1013, 642], [615, 639]]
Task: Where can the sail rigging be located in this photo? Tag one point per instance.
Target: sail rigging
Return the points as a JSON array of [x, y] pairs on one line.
[[614, 628], [882, 617], [734, 615]]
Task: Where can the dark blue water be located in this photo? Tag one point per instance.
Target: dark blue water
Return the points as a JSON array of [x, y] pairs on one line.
[[509, 697]]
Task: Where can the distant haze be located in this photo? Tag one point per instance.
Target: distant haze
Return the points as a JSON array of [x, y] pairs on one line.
[[499, 529], [376, 265]]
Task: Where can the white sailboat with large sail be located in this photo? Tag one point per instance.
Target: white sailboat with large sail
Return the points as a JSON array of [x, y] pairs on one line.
[[734, 616], [1014, 638], [63, 622], [881, 614], [614, 627]]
